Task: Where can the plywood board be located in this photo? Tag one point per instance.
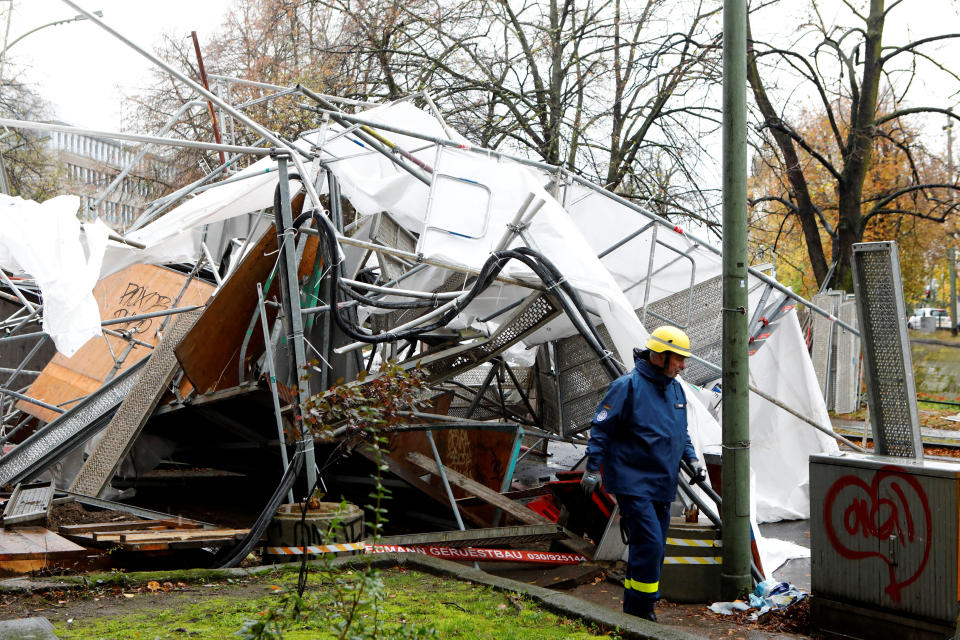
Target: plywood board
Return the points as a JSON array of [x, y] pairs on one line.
[[210, 353], [34, 543], [136, 290]]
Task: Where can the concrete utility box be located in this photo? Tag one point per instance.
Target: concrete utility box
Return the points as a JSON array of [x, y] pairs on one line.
[[691, 564], [884, 546], [928, 324]]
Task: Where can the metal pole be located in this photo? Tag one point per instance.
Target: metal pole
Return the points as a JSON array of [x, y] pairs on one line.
[[290, 294], [206, 85], [268, 347], [953, 290], [132, 137], [735, 576]]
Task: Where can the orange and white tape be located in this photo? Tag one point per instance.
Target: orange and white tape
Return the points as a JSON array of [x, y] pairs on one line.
[[323, 548], [450, 553]]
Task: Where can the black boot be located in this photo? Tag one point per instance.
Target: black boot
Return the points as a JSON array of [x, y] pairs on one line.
[[648, 615]]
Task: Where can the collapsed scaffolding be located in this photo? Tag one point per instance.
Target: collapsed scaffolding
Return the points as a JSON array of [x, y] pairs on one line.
[[519, 288]]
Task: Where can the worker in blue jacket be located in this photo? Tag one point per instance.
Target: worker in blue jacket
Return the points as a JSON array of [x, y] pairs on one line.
[[637, 439]]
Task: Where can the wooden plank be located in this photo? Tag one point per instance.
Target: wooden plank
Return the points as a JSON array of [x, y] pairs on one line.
[[210, 353], [169, 534], [125, 525], [514, 509], [410, 474], [34, 543], [138, 289]]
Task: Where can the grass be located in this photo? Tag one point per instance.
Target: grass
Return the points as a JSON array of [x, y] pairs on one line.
[[447, 608]]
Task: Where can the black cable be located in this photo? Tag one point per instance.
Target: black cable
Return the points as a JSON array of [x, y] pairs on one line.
[[233, 556], [540, 265]]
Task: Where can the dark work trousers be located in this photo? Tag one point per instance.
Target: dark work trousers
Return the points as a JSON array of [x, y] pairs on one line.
[[643, 524]]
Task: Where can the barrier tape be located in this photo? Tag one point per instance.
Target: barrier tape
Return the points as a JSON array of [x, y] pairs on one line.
[[324, 548], [692, 560], [690, 542], [450, 553]]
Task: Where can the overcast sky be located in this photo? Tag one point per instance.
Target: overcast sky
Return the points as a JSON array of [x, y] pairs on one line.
[[83, 70]]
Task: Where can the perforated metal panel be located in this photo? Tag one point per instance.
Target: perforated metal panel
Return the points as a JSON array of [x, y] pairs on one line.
[[135, 409], [474, 378], [582, 381], [888, 365], [386, 231], [446, 364], [820, 329], [548, 403], [70, 430], [705, 327], [846, 389]]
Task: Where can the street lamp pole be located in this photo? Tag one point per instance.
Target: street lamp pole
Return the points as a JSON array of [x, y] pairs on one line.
[[75, 18], [4, 183]]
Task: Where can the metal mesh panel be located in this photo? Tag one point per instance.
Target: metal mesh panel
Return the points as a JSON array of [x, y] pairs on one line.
[[582, 380], [888, 365], [548, 401], [388, 232], [705, 328], [820, 328], [68, 431], [452, 362], [135, 409], [847, 383], [578, 413], [474, 378]]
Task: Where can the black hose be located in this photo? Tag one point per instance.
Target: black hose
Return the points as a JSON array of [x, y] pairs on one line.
[[233, 556], [540, 265]]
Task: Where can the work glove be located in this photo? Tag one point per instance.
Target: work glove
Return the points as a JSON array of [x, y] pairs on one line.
[[589, 482], [699, 472]]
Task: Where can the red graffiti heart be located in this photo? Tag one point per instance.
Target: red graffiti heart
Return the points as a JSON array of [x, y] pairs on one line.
[[881, 518]]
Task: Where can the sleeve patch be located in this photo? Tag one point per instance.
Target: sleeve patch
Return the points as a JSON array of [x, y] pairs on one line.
[[601, 415]]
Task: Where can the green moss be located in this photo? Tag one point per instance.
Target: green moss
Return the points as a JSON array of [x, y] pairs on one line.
[[451, 608]]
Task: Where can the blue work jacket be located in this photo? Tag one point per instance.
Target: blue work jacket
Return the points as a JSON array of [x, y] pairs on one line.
[[639, 434]]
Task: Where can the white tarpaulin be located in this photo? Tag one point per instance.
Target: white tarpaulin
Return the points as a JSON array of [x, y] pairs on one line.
[[780, 443], [47, 242], [176, 236]]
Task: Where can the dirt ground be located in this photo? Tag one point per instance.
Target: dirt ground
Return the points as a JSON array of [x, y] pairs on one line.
[[98, 602]]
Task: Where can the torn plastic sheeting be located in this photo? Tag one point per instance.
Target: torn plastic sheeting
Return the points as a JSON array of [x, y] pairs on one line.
[[768, 595], [782, 443], [176, 236], [47, 242]]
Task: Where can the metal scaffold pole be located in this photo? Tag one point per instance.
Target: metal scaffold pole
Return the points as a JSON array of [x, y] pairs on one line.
[[735, 577], [953, 290]]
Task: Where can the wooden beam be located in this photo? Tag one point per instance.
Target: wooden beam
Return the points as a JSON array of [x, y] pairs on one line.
[[514, 509], [408, 473]]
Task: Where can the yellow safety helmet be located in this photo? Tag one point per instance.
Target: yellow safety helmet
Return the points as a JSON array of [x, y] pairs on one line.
[[667, 338]]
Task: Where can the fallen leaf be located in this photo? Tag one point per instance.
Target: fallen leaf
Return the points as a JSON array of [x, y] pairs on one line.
[[129, 595]]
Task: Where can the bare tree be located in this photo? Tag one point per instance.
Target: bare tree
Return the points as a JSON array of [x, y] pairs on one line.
[[860, 87], [600, 87], [30, 170]]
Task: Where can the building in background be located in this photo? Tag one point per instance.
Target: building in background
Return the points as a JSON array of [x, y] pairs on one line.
[[88, 165]]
